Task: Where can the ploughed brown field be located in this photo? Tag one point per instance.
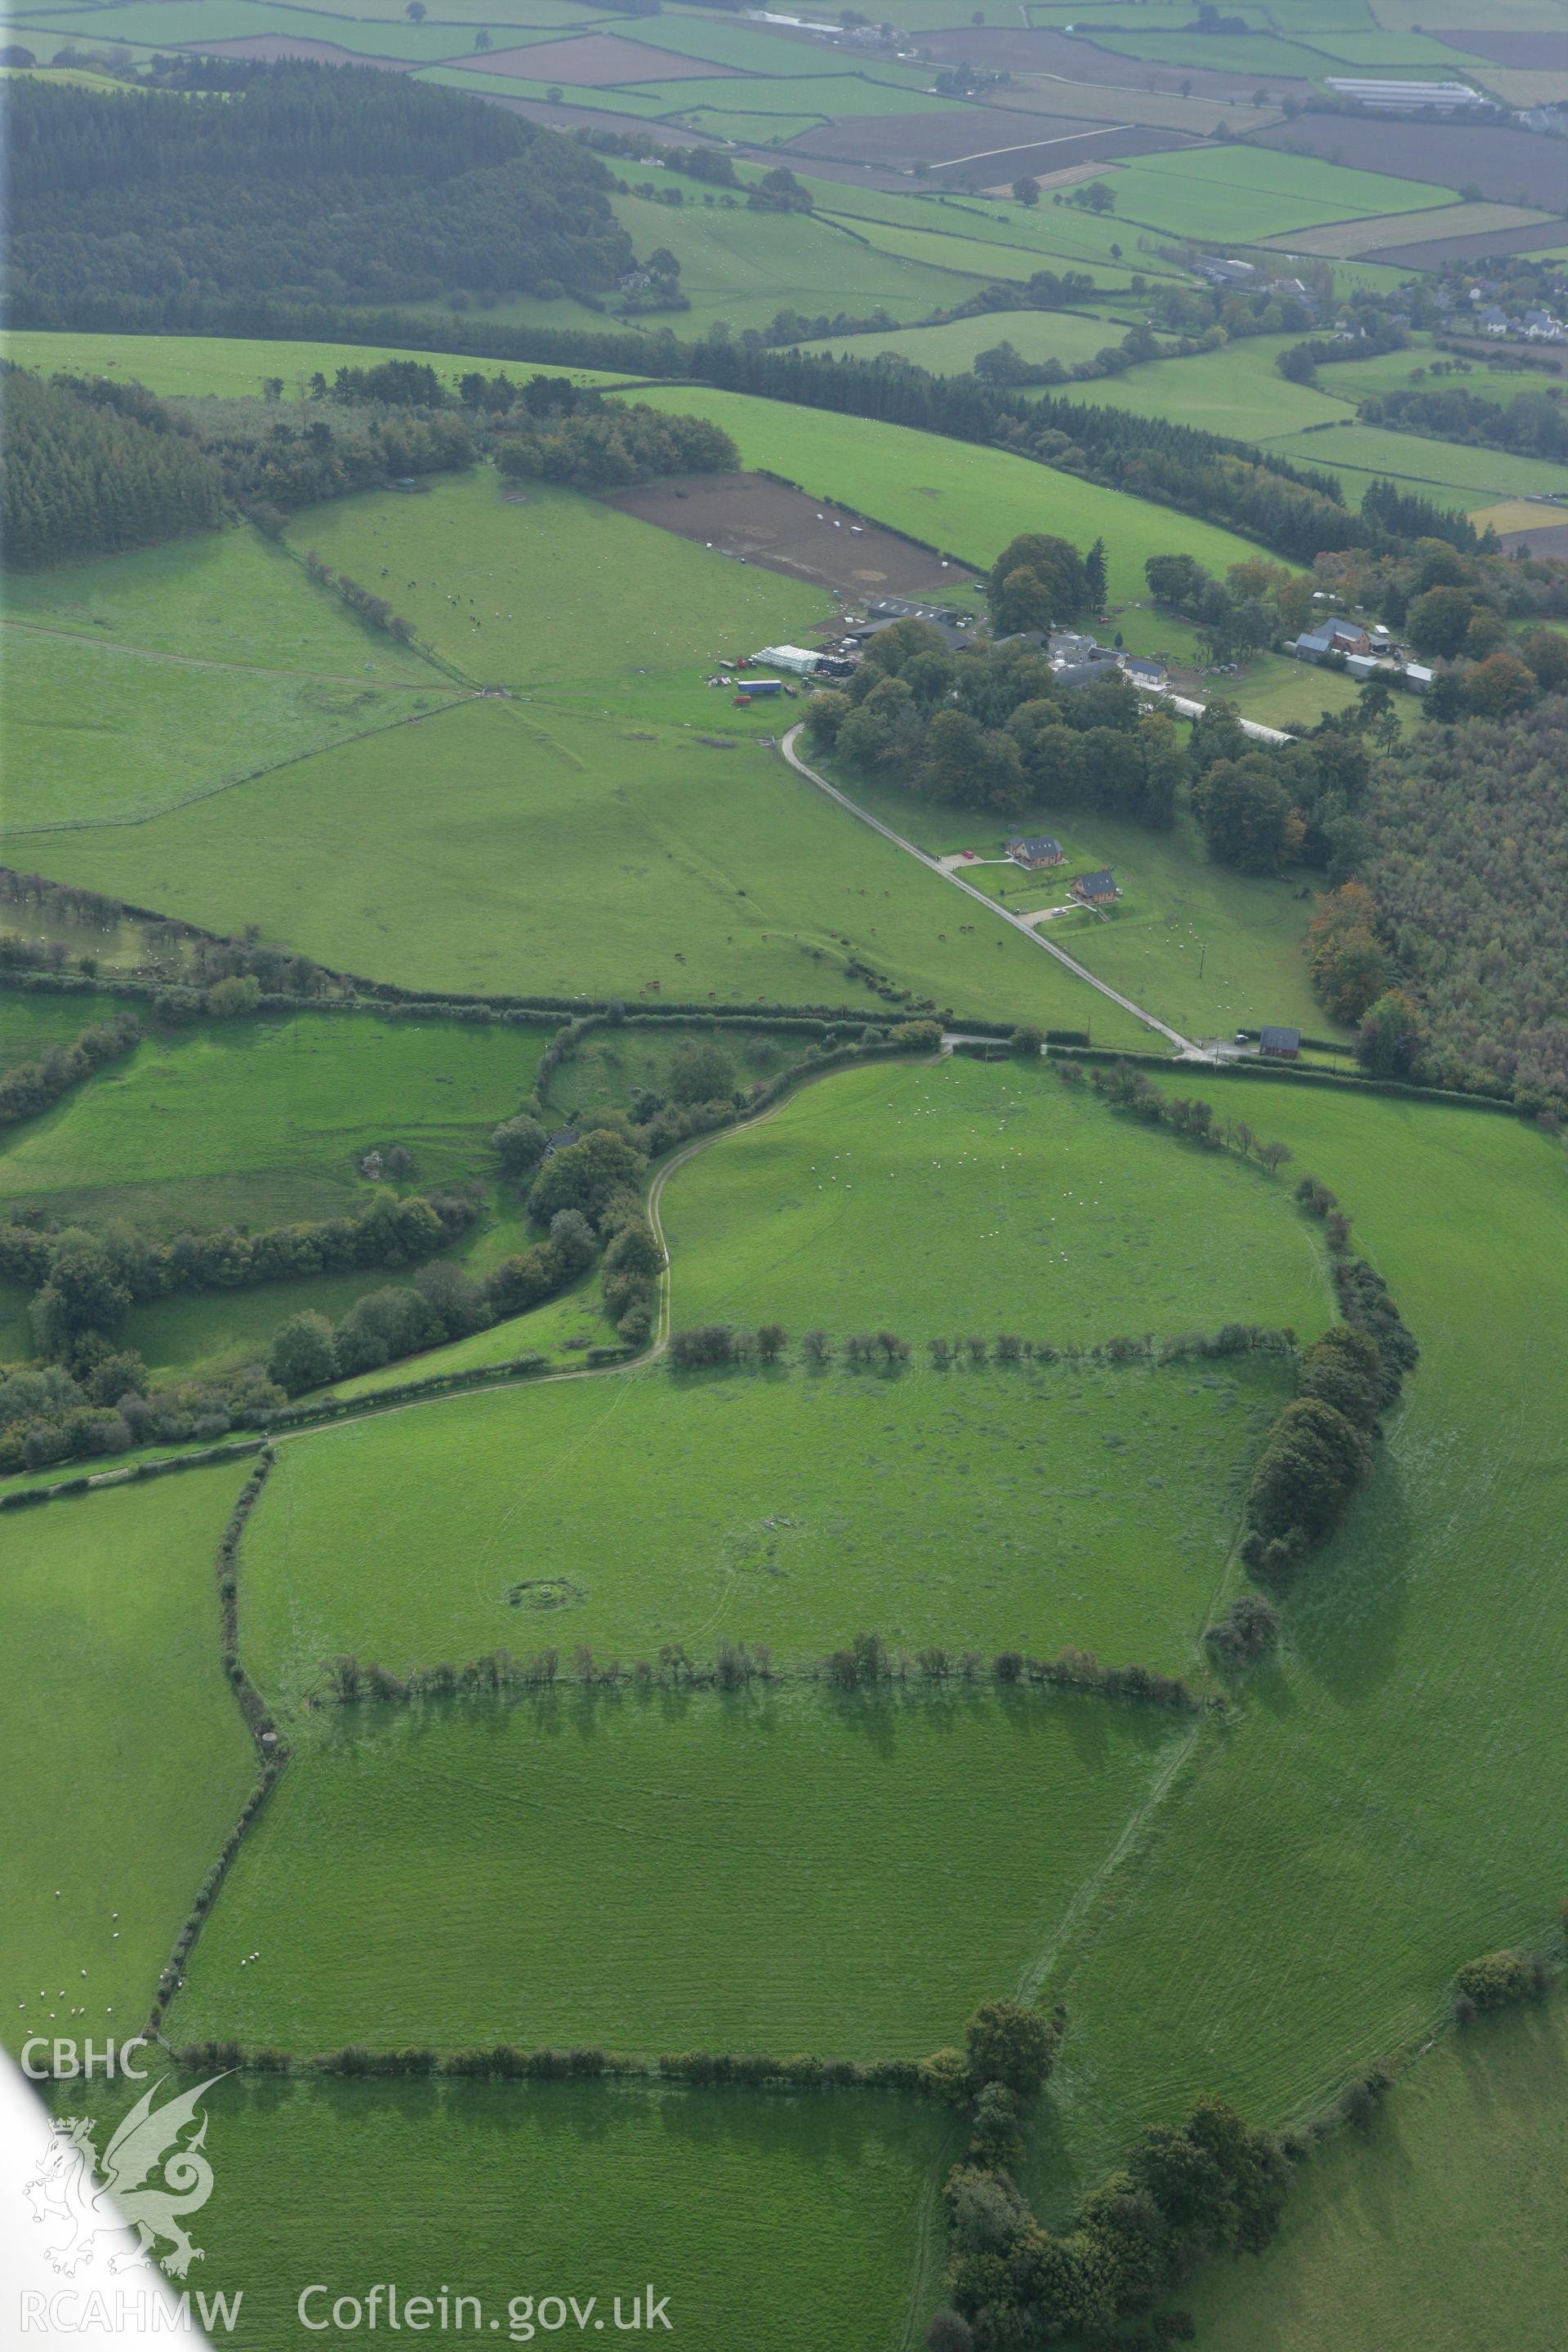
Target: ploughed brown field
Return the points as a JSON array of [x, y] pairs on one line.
[[1524, 52], [1550, 540], [771, 524], [596, 61], [1509, 167], [988, 143]]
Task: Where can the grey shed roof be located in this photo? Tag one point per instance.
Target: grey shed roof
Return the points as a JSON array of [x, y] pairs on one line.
[[1279, 1041]]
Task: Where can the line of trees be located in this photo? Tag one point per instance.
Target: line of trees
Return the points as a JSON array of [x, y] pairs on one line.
[[1296, 510], [444, 1302], [710, 1346], [1126, 1087], [83, 1283], [359, 599], [1321, 1448], [85, 475], [1532, 423], [30, 1088], [866, 1663]]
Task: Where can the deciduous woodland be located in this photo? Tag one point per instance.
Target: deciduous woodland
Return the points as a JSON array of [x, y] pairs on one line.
[[782, 1303]]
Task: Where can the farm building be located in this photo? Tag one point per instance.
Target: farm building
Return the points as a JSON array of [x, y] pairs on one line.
[[1034, 850], [560, 1139], [1096, 889], [1143, 672], [797, 660], [1282, 1045], [1409, 97], [1316, 645]]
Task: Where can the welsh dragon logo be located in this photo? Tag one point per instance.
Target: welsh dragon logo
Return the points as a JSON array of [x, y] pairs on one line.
[[134, 2198]]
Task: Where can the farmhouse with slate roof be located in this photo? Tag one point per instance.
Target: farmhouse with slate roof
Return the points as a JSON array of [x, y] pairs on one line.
[[1284, 1045], [1034, 850], [1096, 889]]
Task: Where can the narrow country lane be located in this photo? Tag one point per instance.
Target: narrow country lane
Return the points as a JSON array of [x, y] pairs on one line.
[[1183, 1045]]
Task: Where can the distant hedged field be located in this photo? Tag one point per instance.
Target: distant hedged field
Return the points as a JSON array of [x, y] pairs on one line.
[[765, 1568]]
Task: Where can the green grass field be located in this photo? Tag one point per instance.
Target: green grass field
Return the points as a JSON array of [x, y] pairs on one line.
[[1482, 376], [746, 266], [202, 1334], [967, 499], [1283, 692], [832, 96], [1017, 1198], [231, 368], [561, 1329], [227, 597], [148, 23], [537, 1872], [1052, 233], [745, 1515], [118, 1722], [112, 734], [1455, 474], [495, 850], [1251, 193], [1237, 390], [953, 249], [260, 1122], [557, 592], [644, 106], [766, 2220], [1207, 949], [995, 1509], [1381, 1810], [136, 683], [1034, 335], [1439, 2230], [30, 1022], [609, 1066], [1259, 53]]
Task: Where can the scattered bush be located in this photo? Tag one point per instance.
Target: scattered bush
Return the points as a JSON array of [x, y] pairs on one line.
[[1248, 1632], [1495, 1981]]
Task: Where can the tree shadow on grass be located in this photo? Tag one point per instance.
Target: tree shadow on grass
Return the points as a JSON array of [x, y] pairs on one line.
[[1345, 1615]]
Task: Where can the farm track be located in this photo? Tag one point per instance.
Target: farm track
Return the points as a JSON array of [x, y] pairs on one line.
[[1184, 1045]]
